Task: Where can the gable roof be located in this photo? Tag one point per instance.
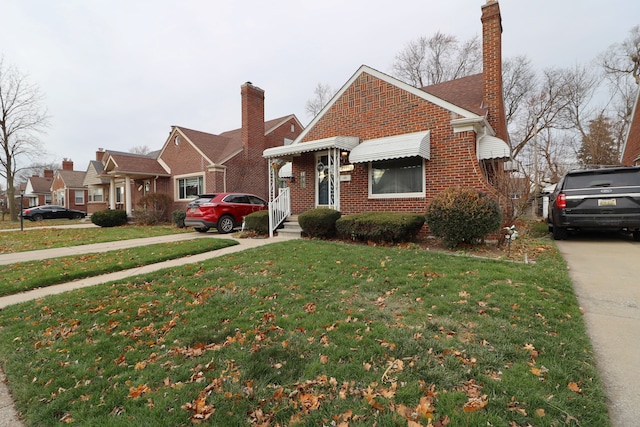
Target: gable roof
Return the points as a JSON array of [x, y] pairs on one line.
[[119, 162], [461, 96], [94, 174], [426, 95], [40, 185], [465, 92], [71, 179], [214, 148], [220, 148]]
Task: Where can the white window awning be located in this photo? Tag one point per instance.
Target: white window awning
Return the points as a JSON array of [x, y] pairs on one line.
[[490, 148], [286, 171], [393, 147], [341, 142]]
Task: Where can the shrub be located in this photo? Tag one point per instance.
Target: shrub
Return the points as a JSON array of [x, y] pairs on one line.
[[319, 222], [460, 215], [257, 221], [178, 217], [391, 227], [109, 218], [154, 209]]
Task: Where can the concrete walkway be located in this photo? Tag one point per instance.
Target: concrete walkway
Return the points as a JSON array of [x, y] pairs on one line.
[[8, 415], [605, 279]]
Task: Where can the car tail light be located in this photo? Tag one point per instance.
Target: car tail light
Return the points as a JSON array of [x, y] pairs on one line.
[[561, 201], [26, 211]]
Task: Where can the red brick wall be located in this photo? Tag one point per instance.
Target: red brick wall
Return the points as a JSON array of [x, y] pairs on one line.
[[492, 67], [372, 108]]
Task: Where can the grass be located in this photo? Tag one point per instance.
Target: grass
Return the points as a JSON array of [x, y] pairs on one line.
[[6, 224], [311, 333], [47, 238], [20, 277]]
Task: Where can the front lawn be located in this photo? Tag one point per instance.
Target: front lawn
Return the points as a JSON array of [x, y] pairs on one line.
[[311, 333], [47, 238], [24, 276], [7, 224]]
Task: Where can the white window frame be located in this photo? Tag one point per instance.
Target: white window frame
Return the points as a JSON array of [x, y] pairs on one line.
[[179, 178], [96, 191], [421, 193], [119, 195], [78, 200]]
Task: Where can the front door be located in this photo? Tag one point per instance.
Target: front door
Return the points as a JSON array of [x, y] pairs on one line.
[[327, 179], [322, 180]]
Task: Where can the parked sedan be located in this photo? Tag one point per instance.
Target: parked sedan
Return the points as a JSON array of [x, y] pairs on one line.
[[38, 213], [223, 211]]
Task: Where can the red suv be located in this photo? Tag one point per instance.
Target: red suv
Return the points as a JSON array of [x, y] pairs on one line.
[[223, 211]]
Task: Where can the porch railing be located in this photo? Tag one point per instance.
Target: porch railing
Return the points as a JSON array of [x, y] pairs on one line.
[[279, 209]]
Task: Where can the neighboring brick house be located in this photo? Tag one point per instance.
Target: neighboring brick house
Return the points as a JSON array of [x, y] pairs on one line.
[[67, 188], [192, 162], [38, 189], [383, 145], [631, 149], [97, 185]]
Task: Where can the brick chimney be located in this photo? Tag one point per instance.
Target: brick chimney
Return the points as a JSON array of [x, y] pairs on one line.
[[492, 67], [67, 164], [252, 118], [48, 173], [99, 154]]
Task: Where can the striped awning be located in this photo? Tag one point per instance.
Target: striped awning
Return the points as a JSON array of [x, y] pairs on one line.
[[490, 147], [341, 142], [392, 147]]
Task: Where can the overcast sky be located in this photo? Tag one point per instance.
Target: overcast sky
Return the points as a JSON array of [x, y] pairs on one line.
[[119, 73]]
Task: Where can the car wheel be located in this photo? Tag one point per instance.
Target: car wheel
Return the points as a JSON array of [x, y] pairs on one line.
[[76, 216], [225, 224], [37, 217], [636, 235], [559, 233], [202, 229]]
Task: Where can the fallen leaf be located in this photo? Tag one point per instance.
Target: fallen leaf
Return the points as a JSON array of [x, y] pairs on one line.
[[475, 404], [574, 387]]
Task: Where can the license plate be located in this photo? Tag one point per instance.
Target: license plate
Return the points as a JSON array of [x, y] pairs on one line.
[[192, 210], [606, 202]]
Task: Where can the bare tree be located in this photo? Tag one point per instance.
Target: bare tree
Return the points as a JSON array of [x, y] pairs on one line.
[[140, 149], [35, 169], [322, 94], [624, 58], [519, 82], [22, 117], [437, 59]]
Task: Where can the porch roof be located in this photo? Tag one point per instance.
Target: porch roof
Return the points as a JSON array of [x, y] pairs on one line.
[[341, 142], [491, 147], [393, 147]]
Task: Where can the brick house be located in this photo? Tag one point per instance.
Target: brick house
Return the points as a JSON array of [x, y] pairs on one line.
[[38, 189], [67, 187], [383, 145], [192, 162], [631, 149]]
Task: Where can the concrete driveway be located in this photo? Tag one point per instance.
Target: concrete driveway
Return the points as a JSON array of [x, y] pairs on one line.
[[605, 269]]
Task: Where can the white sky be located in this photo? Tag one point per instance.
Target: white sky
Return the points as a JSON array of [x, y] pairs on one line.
[[118, 73]]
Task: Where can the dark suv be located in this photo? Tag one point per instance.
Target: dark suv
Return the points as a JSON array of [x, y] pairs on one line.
[[596, 199]]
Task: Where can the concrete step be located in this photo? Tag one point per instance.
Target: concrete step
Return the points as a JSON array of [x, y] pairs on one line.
[[290, 226]]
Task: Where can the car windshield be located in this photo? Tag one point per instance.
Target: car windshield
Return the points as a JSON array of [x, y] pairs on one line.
[[202, 199], [614, 179]]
